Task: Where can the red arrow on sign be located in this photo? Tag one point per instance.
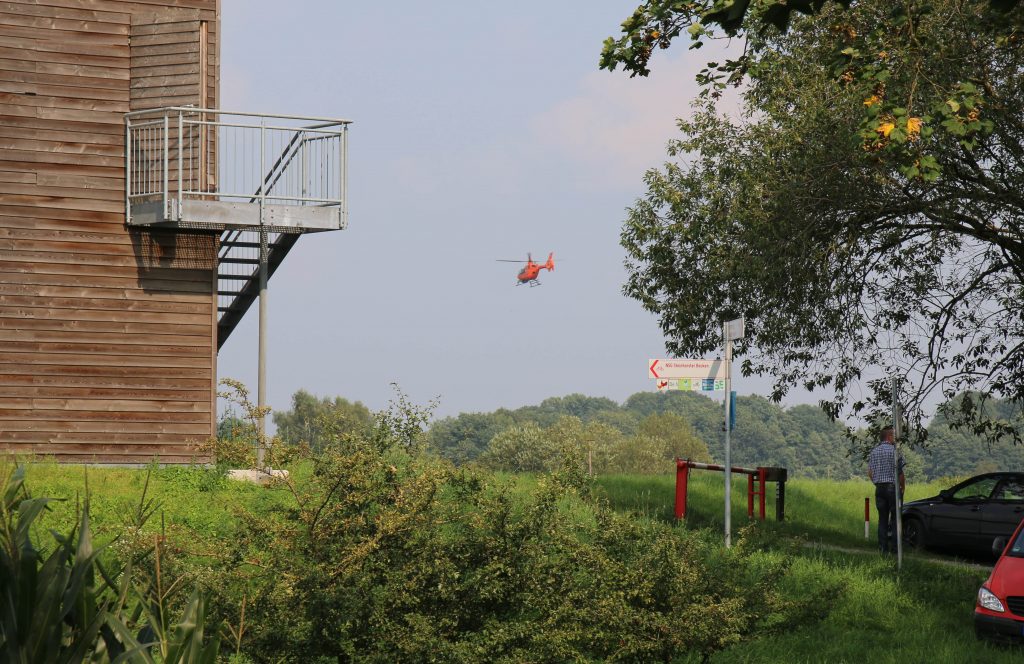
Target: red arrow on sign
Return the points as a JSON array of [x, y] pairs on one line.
[[651, 367]]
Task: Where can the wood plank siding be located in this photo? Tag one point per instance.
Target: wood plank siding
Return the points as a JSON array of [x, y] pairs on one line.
[[107, 335]]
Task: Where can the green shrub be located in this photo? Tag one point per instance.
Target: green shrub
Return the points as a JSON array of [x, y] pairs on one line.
[[389, 554], [64, 606]]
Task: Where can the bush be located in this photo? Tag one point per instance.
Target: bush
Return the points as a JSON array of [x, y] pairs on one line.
[[389, 554], [65, 606]]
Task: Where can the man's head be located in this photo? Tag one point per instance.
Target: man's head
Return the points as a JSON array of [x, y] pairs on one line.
[[888, 434]]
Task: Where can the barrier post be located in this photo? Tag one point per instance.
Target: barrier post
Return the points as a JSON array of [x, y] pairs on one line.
[[682, 475], [750, 496], [762, 476], [867, 517]]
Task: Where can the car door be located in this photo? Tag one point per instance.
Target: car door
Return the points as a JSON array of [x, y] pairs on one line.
[[956, 521], [1004, 510]]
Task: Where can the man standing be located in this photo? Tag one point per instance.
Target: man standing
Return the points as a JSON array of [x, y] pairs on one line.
[[882, 470]]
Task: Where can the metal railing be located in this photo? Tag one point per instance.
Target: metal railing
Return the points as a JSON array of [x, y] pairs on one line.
[[185, 163]]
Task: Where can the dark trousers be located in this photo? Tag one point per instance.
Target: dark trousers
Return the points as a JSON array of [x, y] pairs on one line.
[[885, 501]]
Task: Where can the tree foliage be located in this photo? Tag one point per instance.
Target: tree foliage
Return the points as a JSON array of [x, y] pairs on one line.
[[856, 240], [310, 418]]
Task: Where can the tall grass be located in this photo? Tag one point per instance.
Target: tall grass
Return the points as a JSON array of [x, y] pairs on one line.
[[921, 613]]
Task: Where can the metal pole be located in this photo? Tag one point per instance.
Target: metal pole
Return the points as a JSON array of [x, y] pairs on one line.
[[344, 177], [180, 156], [896, 469], [261, 396], [166, 159], [728, 452], [128, 171]]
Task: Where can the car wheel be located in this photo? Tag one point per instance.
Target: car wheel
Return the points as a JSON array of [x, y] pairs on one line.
[[913, 534]]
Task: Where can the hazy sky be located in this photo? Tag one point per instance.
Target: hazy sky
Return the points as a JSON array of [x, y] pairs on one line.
[[482, 131]]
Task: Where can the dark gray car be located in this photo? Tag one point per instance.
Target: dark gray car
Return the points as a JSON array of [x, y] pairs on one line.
[[966, 517]]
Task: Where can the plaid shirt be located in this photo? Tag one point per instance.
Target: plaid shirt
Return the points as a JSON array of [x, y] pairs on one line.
[[880, 463]]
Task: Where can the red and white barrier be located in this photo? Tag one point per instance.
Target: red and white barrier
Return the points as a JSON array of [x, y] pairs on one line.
[[867, 516]]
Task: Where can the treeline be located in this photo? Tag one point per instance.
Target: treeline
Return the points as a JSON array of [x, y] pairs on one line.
[[801, 438], [649, 429]]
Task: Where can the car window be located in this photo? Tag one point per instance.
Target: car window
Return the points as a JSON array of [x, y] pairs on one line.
[[976, 490], [1017, 550], [1010, 489]]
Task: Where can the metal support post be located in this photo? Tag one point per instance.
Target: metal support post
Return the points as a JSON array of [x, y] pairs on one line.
[[728, 452], [167, 157], [261, 397], [129, 155], [180, 156], [896, 469]]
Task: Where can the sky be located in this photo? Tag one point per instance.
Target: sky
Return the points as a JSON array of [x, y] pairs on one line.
[[481, 131]]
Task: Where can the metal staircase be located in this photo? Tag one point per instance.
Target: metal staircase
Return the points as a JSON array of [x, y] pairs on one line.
[[258, 180], [238, 283]]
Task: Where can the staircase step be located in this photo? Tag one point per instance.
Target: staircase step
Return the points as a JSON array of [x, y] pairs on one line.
[[243, 245]]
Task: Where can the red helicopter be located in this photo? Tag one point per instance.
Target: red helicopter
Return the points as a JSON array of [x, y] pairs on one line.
[[529, 273]]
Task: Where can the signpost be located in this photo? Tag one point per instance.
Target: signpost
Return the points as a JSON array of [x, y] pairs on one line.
[[691, 384], [731, 330], [692, 369], [897, 431], [706, 376]]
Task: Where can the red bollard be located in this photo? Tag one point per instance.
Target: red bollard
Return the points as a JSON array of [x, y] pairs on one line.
[[867, 516], [750, 496], [761, 476], [682, 475]]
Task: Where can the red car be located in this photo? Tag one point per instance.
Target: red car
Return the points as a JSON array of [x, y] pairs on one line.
[[999, 610]]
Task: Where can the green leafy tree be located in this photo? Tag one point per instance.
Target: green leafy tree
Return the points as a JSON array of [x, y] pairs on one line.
[[230, 427], [522, 449], [678, 439], [895, 44], [574, 405], [309, 418], [465, 437], [851, 260]]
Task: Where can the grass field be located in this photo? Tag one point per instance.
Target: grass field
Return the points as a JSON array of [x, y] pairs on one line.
[[922, 613]]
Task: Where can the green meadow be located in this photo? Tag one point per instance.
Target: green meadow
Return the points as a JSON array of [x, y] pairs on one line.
[[874, 613]]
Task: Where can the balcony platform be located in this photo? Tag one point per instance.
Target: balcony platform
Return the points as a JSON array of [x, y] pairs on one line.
[[224, 215]]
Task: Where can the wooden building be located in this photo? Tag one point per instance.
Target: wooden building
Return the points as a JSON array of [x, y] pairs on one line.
[[109, 329]]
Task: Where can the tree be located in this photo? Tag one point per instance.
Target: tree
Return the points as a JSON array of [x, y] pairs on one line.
[[463, 438], [678, 439], [310, 419], [521, 449], [855, 245], [657, 23]]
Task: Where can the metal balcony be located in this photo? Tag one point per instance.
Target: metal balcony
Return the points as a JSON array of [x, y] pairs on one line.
[[260, 181], [207, 169]]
